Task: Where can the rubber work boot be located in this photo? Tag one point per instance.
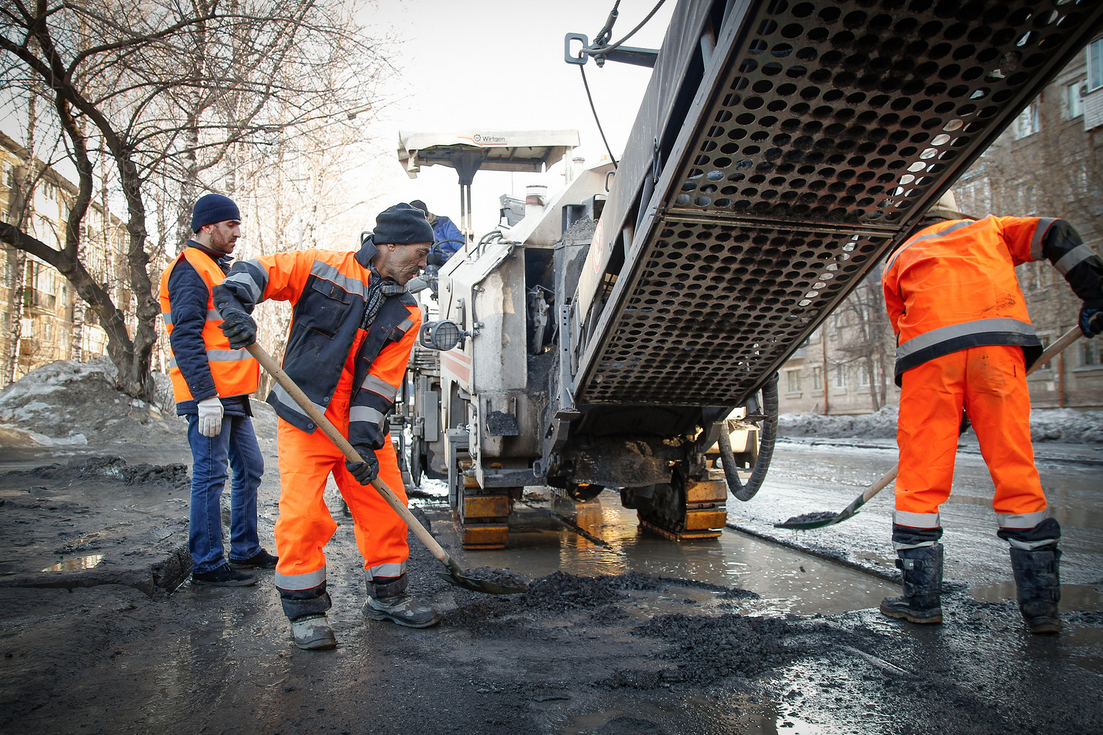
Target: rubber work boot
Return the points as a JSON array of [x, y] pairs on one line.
[[400, 609], [1038, 584], [921, 601], [312, 633]]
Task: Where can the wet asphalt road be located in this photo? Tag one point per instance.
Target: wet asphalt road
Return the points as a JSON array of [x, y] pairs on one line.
[[108, 659]]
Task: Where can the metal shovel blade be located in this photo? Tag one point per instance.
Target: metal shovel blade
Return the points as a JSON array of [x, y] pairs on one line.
[[456, 577], [813, 520]]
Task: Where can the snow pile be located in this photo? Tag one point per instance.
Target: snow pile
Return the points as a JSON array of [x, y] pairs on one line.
[[880, 425], [70, 403], [1055, 425]]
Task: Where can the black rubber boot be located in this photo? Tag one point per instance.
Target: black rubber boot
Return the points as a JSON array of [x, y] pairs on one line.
[[1038, 584], [921, 601]]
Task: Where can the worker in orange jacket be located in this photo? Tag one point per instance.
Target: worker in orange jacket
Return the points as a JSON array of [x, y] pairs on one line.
[[964, 343], [352, 331]]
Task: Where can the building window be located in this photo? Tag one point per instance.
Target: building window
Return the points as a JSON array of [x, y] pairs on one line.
[[863, 377], [1027, 123], [1075, 99], [792, 381], [1095, 65], [840, 377], [817, 379], [1089, 353]]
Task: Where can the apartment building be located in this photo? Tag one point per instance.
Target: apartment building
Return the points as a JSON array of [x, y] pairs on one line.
[[47, 320]]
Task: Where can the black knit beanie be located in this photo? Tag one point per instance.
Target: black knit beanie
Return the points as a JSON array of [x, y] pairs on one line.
[[212, 208], [402, 225]]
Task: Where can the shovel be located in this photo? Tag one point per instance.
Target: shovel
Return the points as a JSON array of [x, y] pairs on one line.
[[819, 520], [455, 574]]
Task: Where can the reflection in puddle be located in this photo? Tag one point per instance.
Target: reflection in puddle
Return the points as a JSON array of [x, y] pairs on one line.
[[787, 581], [72, 565]]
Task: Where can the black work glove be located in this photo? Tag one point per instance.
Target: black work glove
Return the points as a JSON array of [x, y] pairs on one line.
[[1091, 317], [965, 424], [365, 471], [238, 327]]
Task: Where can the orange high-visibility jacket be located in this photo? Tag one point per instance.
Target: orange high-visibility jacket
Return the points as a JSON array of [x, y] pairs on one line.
[[330, 292], [235, 372], [952, 286]]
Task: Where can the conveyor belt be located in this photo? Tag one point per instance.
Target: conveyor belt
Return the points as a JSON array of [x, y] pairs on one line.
[[822, 130]]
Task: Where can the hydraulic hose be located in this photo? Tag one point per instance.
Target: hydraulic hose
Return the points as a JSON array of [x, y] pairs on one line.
[[765, 450]]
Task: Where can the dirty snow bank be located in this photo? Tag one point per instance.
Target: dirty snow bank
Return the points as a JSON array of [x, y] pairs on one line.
[[70, 403], [1056, 425], [76, 404]]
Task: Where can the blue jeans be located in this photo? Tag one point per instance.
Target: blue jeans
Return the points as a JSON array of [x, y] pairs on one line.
[[236, 446]]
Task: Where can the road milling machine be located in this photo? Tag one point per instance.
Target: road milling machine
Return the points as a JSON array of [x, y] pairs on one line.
[[782, 148]]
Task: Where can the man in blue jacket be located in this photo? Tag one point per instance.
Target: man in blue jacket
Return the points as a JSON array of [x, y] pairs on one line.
[[448, 237], [211, 383]]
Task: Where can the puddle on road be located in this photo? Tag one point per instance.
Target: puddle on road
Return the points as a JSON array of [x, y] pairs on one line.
[[742, 714], [787, 581], [72, 565]]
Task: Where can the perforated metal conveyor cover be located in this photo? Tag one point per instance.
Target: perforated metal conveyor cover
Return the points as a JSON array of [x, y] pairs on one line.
[[829, 127]]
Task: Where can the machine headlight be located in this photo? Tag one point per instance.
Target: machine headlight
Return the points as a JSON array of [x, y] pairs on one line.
[[443, 335]]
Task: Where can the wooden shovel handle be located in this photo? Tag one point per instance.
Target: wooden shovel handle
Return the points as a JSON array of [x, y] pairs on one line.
[[342, 443]]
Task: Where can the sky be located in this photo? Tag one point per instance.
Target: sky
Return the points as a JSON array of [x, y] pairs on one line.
[[498, 65]]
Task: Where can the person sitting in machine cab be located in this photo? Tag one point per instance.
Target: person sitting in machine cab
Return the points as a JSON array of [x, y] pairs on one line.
[[448, 238]]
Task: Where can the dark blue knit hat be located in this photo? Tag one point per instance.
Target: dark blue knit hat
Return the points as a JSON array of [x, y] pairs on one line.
[[402, 225], [212, 208]]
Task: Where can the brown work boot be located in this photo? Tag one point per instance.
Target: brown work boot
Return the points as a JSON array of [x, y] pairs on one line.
[[400, 609]]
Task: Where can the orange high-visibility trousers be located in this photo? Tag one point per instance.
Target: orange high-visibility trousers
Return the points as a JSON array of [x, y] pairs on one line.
[[990, 384], [305, 525]]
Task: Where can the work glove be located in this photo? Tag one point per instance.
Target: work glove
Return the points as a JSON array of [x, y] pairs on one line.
[[1091, 317], [365, 471], [965, 424], [238, 327], [210, 416]]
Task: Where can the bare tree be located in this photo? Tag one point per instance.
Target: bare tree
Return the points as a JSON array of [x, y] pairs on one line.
[[867, 340], [173, 92]]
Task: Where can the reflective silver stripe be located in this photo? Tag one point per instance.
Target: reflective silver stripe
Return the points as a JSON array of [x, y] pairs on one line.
[[904, 547], [956, 331], [301, 581], [366, 414], [220, 356], [393, 569], [228, 355], [940, 233], [377, 385], [212, 316], [285, 399], [1073, 258], [1023, 520], [1039, 234], [244, 278], [1030, 545], [916, 520], [405, 326], [326, 271]]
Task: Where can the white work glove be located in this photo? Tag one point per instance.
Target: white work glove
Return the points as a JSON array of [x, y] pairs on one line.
[[210, 416]]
